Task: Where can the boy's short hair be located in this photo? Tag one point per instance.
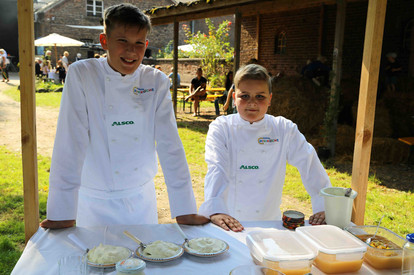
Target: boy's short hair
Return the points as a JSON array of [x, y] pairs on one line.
[[252, 72], [125, 14]]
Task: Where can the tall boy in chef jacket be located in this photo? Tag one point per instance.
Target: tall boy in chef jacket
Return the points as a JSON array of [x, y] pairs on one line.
[[246, 154], [115, 115]]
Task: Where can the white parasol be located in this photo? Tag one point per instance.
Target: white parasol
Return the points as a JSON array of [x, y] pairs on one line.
[[55, 40]]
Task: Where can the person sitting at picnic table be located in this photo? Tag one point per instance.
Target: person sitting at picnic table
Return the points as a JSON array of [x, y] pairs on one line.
[[197, 89], [246, 155]]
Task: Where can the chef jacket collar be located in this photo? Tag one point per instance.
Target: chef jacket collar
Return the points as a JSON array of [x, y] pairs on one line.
[[261, 123], [112, 73]]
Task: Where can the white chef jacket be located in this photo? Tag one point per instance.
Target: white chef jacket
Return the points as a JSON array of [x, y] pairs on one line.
[[109, 130], [247, 167]]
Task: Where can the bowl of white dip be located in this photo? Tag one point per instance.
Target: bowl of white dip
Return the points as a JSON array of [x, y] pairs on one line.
[[205, 247], [105, 255], [159, 251]]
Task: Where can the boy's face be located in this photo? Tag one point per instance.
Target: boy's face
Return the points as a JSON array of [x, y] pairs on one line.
[[252, 99], [125, 46]]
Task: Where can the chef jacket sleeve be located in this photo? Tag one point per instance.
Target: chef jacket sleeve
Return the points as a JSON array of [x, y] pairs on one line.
[[69, 150], [302, 155], [172, 156], [217, 178]]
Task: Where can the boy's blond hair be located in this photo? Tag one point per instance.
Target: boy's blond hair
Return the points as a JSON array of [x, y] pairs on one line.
[[252, 72], [127, 15]]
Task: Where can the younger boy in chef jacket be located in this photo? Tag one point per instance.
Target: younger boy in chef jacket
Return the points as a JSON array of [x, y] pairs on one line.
[[246, 154], [115, 115]]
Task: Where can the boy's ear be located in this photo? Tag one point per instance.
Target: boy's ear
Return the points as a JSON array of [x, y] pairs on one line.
[[270, 101], [103, 40]]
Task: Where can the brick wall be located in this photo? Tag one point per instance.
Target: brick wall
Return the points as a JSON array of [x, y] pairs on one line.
[[302, 32], [73, 12]]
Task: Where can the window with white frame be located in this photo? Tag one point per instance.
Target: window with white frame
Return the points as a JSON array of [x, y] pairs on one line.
[[94, 8]]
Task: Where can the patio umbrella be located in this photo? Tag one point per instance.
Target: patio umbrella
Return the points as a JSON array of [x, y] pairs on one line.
[[55, 40]]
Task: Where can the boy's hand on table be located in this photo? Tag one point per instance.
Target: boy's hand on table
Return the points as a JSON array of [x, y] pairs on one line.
[[226, 222], [57, 224], [192, 219], [317, 218]]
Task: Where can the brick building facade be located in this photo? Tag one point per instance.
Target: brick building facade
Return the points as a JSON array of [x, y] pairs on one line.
[[55, 17], [310, 32]]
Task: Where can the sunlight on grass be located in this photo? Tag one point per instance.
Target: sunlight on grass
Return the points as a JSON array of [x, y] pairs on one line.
[[394, 203], [50, 99]]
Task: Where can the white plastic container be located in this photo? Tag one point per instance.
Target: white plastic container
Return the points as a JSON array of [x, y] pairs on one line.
[[281, 250], [338, 207], [337, 250]]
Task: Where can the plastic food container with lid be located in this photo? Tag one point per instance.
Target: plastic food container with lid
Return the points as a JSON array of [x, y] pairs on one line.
[[385, 251], [281, 250], [337, 250]]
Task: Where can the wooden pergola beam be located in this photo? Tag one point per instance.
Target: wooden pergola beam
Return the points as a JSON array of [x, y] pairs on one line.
[[28, 116], [366, 105], [221, 8]]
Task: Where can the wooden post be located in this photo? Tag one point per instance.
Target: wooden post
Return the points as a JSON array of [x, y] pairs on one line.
[[28, 116], [237, 37], [175, 66], [366, 104], [257, 36], [332, 113]]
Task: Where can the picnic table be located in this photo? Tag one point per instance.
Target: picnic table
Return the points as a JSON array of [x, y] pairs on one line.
[[46, 247], [210, 97]]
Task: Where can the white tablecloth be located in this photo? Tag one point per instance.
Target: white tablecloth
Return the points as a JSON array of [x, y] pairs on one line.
[[46, 247]]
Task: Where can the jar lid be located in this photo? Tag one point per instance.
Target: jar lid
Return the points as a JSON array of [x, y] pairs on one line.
[[130, 265], [410, 238]]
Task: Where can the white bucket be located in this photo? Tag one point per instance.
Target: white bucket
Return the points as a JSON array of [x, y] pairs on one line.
[[338, 208]]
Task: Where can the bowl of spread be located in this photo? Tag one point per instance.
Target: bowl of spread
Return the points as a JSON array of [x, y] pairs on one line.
[[205, 247], [107, 255], [385, 249], [159, 251]]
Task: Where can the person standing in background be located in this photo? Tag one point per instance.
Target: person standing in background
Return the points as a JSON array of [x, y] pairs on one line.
[[65, 61], [170, 76], [4, 65]]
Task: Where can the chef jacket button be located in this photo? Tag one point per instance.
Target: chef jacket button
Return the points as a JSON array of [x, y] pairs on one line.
[[238, 210], [260, 182], [240, 182], [136, 139], [263, 151], [110, 107], [113, 140], [108, 79], [241, 151], [136, 169], [117, 172], [257, 211], [135, 107]]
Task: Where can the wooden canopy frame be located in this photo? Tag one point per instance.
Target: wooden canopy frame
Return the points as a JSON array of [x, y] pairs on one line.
[[198, 10]]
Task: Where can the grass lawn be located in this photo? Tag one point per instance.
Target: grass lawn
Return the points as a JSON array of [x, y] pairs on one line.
[[380, 200]]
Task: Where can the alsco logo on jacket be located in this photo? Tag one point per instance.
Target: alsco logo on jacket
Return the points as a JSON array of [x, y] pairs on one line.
[[138, 91], [120, 123], [249, 167], [264, 140]]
